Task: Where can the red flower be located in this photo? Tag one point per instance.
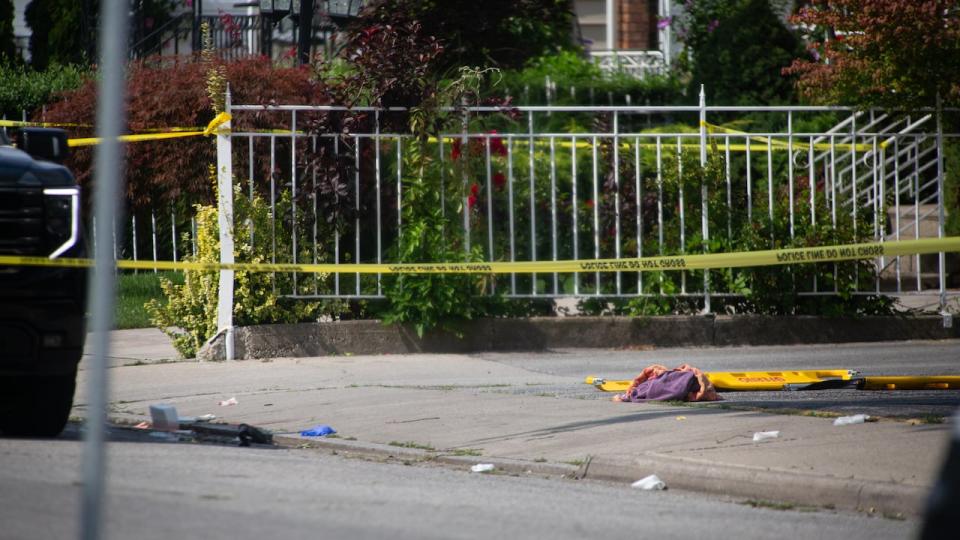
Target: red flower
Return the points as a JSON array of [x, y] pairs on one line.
[[455, 151], [471, 200], [588, 203], [496, 145], [474, 189], [499, 180]]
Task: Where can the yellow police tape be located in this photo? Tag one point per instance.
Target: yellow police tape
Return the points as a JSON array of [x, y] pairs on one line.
[[643, 264], [172, 134], [167, 133], [180, 132], [777, 144]]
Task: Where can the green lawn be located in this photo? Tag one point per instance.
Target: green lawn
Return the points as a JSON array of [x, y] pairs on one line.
[[134, 290]]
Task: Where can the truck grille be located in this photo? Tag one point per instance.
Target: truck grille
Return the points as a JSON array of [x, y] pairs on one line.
[[21, 221]]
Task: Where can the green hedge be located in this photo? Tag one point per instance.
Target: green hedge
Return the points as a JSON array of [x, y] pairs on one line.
[[26, 90]]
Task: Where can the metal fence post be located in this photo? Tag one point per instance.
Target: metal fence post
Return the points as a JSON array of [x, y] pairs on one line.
[[705, 205], [941, 218], [225, 225]]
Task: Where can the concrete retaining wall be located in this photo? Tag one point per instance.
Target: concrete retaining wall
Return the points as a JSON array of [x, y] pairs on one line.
[[535, 334]]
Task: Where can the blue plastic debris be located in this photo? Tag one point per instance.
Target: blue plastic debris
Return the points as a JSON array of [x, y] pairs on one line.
[[318, 431]]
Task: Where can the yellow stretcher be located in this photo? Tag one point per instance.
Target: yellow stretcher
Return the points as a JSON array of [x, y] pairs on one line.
[[747, 380], [819, 379]]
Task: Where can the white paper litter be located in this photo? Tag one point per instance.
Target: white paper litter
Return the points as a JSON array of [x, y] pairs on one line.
[[650, 483], [764, 435], [482, 467], [229, 402], [855, 419]]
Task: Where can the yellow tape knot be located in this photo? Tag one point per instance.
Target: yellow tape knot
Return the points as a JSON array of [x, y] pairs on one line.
[[217, 121]]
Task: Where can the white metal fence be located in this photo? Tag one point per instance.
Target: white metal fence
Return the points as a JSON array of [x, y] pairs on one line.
[[556, 183]]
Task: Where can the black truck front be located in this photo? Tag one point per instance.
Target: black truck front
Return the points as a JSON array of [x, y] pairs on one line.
[[42, 308]]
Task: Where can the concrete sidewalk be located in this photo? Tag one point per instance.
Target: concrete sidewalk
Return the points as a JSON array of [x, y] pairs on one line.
[[464, 409]]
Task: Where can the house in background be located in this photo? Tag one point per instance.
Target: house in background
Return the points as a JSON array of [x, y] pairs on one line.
[[627, 35], [237, 27]]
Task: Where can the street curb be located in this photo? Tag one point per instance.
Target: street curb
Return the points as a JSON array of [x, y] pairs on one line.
[[765, 484], [538, 334], [508, 465], [752, 483]]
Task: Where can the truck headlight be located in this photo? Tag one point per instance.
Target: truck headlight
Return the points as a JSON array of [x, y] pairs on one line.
[[62, 207]]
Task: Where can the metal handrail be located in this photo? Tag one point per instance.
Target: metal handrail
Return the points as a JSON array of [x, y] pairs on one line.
[[174, 22]]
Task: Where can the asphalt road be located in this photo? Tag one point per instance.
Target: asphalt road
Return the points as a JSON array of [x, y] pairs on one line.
[[890, 358], [179, 490]]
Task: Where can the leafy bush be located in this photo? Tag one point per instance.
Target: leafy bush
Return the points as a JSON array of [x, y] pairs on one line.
[[496, 33], [189, 316], [579, 81], [26, 90], [163, 94], [737, 49], [774, 290]]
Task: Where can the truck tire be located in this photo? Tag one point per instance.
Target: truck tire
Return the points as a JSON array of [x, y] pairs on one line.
[[36, 406]]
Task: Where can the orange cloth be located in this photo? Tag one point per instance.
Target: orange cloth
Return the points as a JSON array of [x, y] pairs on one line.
[[706, 393]]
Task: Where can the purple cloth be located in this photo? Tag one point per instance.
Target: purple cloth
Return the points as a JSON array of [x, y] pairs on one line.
[[670, 385]]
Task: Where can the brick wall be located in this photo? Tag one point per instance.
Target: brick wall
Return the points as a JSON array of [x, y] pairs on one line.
[[637, 24]]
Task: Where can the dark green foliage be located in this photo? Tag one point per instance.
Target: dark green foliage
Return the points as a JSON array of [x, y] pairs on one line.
[[590, 86], [738, 49], [8, 48], [26, 90], [65, 31], [62, 31], [771, 290], [501, 33], [951, 187]]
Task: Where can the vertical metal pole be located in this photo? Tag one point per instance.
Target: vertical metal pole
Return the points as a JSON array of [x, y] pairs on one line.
[[553, 209], [356, 206], [400, 181], [683, 216], [533, 205], [173, 234], [305, 32], [770, 190], [609, 19], [596, 214], [790, 169], [513, 247], [225, 224], [726, 155], [660, 196], [293, 195], [489, 188], [313, 196], [574, 210], [853, 192], [109, 176], [638, 189], [705, 204], [273, 209], [133, 235], [376, 167], [336, 230], [153, 235], [916, 215], [747, 142], [941, 218], [616, 194], [896, 203]]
